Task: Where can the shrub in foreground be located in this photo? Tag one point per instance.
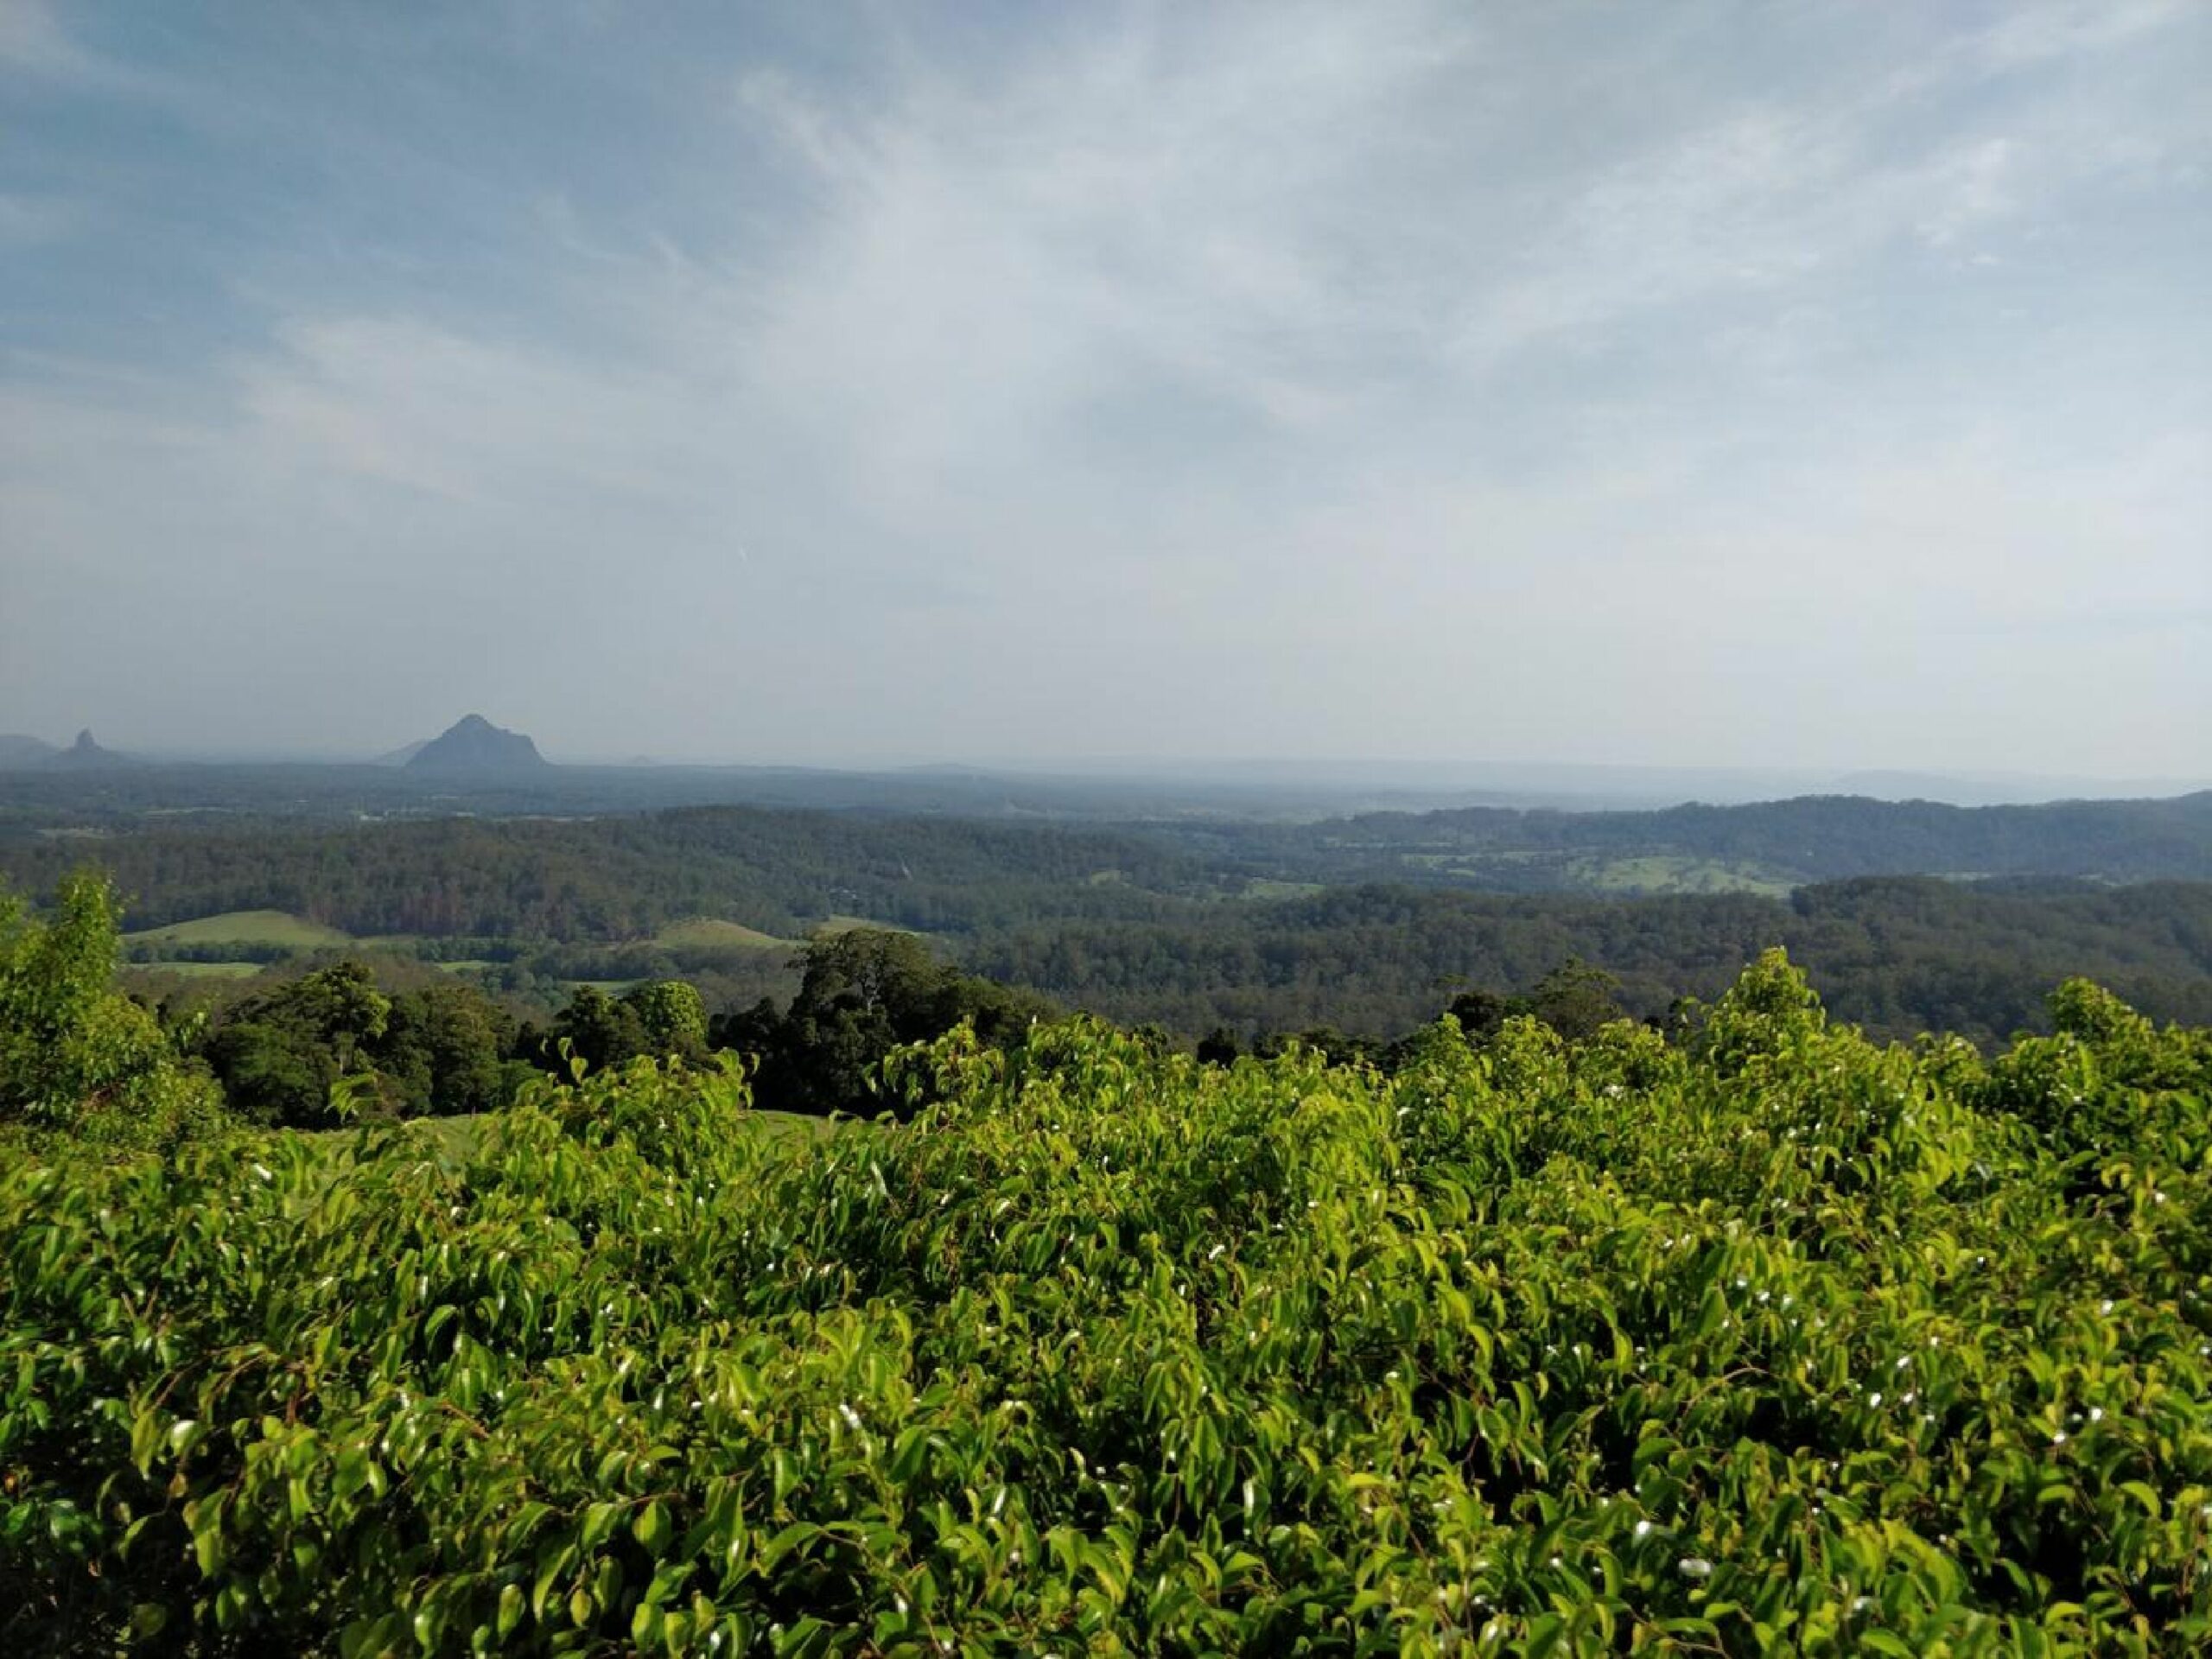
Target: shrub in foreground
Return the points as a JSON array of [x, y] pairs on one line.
[[1768, 1339]]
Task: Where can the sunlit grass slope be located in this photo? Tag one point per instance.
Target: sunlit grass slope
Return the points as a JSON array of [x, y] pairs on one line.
[[258, 927]]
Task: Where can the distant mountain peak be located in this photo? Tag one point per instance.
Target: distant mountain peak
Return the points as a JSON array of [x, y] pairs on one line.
[[475, 744], [86, 751]]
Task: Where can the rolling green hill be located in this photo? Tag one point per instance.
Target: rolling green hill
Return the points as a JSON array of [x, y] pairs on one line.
[[707, 933], [251, 927]]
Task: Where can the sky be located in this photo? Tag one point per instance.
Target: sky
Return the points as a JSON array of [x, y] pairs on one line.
[[1773, 385]]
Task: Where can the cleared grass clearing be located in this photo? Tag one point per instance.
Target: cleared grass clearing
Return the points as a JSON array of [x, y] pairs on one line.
[[835, 925], [1667, 872], [275, 927], [1265, 887], [198, 970], [707, 933]]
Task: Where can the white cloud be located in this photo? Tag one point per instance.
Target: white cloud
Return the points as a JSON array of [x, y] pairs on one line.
[[1272, 380], [30, 221], [33, 40], [2038, 33]]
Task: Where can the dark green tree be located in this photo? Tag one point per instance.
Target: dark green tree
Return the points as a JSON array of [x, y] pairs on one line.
[[1575, 999], [74, 1054], [599, 1029], [1480, 1012], [672, 1016], [279, 1053], [444, 1050], [863, 993]]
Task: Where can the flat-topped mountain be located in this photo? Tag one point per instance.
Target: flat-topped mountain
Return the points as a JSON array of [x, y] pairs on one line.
[[475, 744]]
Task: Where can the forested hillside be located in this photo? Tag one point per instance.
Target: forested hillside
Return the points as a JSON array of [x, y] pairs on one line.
[[613, 878], [1177, 927], [1771, 844], [1899, 955], [1190, 923], [599, 871]]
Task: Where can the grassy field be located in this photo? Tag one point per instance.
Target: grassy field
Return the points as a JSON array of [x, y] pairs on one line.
[[1668, 872], [1653, 872], [707, 933], [836, 925], [1265, 887], [275, 927], [200, 969]]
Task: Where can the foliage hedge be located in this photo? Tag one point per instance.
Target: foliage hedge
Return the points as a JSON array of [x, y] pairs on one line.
[[1766, 1338]]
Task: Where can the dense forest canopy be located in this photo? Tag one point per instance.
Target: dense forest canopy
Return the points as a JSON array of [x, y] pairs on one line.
[[1368, 924], [615, 878], [530, 874], [1898, 954], [1768, 845]]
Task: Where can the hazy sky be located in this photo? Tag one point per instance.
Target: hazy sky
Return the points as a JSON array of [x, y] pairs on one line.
[[1781, 384]]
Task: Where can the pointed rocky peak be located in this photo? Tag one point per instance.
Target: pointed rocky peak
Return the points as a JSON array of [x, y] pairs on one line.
[[475, 744], [86, 751]]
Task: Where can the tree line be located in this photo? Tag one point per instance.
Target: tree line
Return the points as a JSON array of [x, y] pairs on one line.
[[331, 1042], [619, 879], [1895, 954], [1812, 838], [1355, 974], [612, 880]]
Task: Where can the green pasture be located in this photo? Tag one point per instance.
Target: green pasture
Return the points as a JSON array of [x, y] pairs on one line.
[[1671, 872], [835, 924], [199, 970], [709, 933], [275, 927], [1263, 886]]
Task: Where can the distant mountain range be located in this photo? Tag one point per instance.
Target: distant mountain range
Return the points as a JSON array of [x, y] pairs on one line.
[[1277, 790], [474, 744], [1768, 845], [1576, 786]]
